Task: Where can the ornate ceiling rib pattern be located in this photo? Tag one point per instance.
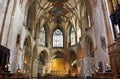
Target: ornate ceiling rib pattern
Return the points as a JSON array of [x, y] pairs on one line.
[[76, 12]]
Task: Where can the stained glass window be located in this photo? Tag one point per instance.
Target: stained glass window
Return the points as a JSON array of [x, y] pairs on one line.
[[57, 38], [42, 36], [72, 35]]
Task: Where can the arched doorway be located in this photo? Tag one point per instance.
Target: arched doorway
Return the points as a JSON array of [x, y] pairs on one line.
[[89, 60], [58, 64], [42, 61], [73, 63]]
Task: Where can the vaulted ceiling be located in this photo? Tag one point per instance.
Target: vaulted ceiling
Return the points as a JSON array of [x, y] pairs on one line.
[[58, 12]]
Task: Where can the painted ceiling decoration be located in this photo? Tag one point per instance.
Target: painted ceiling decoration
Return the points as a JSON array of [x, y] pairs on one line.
[[57, 11], [60, 12]]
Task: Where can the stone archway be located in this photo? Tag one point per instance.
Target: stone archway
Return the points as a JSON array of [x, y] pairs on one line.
[[42, 63], [58, 63], [73, 63]]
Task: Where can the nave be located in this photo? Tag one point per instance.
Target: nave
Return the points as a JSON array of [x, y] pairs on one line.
[[60, 39]]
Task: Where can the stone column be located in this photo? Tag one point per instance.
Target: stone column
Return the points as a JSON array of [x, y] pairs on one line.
[[3, 13], [80, 66], [35, 68]]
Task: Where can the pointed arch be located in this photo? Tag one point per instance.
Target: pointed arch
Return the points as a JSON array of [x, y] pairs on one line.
[[58, 54], [43, 57], [58, 63], [42, 61], [73, 56]]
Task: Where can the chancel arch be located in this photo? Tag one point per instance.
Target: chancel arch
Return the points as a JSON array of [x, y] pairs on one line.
[[58, 63]]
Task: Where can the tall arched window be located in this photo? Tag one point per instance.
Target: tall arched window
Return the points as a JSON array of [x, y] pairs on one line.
[[89, 21], [78, 34], [72, 36], [57, 38], [42, 36]]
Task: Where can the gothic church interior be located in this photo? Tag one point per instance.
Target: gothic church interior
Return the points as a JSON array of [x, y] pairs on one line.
[[72, 38]]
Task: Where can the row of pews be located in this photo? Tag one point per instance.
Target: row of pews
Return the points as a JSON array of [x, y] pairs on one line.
[[8, 75], [50, 76], [101, 75]]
